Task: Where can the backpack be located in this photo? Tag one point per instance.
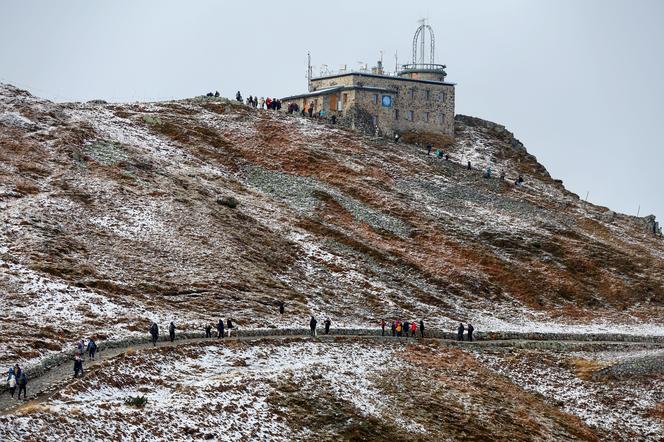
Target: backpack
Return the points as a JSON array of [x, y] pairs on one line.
[[12, 381]]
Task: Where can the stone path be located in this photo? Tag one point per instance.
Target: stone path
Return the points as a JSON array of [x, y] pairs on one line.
[[45, 381]]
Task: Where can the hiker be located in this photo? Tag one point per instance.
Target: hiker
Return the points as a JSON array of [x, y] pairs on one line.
[[382, 327], [217, 94], [396, 137], [154, 331], [398, 328], [422, 328], [11, 382], [209, 94], [502, 175], [311, 109], [429, 147], [470, 332], [519, 181], [79, 346], [208, 331], [220, 329], [327, 326], [262, 102], [229, 326], [238, 96], [413, 329], [439, 153], [487, 172], [334, 119], [281, 308], [17, 371], [91, 349], [171, 331], [78, 365], [405, 328], [394, 328], [460, 332], [312, 326], [447, 157], [468, 166], [22, 382], [250, 100]]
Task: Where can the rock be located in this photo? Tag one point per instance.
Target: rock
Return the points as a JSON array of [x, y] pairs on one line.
[[228, 201], [608, 216]]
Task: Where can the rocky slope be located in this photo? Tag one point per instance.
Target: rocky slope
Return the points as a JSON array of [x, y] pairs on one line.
[[113, 215]]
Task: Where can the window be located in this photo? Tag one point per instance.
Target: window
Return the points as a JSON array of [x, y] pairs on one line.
[[426, 117], [411, 93], [374, 98], [442, 96], [345, 99], [396, 114], [441, 118], [410, 116], [427, 94]]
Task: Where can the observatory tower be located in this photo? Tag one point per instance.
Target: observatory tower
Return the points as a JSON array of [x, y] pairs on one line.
[[422, 68]]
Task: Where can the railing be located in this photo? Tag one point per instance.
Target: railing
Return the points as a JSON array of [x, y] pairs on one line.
[[423, 66]]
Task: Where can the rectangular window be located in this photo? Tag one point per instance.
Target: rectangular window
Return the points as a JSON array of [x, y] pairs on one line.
[[441, 118], [345, 99], [374, 99], [442, 96], [427, 94], [410, 115], [411, 93], [426, 117], [396, 114]]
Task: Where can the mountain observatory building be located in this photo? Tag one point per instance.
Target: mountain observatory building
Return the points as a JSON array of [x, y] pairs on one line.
[[415, 97]]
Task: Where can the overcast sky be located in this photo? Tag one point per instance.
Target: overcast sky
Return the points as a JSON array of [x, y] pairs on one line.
[[579, 82]]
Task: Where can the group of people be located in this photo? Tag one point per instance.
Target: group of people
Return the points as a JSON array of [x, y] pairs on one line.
[[403, 328], [312, 326], [221, 330], [461, 329], [17, 378]]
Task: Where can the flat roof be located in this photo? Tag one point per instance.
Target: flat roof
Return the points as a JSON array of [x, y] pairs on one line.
[[389, 77], [329, 90]]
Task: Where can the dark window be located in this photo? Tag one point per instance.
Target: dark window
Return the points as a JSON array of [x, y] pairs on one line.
[[396, 114], [374, 98], [411, 115], [426, 117]]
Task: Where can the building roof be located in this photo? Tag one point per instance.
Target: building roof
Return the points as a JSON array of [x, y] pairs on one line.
[[389, 77], [330, 90]]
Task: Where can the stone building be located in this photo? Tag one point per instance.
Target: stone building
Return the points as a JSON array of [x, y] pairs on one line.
[[416, 98]]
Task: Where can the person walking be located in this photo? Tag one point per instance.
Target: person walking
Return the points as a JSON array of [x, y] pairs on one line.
[[382, 327], [398, 328], [471, 329], [22, 382], [238, 96], [220, 329], [422, 328], [281, 307], [262, 103], [413, 329], [208, 331], [229, 326], [460, 331], [154, 331], [171, 331], [394, 328], [327, 326], [405, 328], [312, 326], [429, 147], [468, 166], [78, 365], [91, 349], [11, 382]]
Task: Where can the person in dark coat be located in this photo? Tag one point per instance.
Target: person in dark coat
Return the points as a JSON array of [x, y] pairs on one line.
[[394, 328], [238, 96], [382, 327], [429, 147], [154, 331], [22, 382], [216, 94], [220, 329], [460, 331], [468, 167], [171, 331], [312, 326], [327, 326], [208, 331], [470, 332], [281, 308], [78, 365], [229, 326], [422, 327], [405, 328], [91, 349]]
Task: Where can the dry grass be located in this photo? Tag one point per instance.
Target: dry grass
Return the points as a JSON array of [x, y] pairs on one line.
[[658, 411], [585, 368], [26, 187], [32, 407]]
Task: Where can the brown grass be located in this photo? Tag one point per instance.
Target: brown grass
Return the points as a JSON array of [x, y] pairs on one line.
[[585, 368], [26, 187], [32, 407]]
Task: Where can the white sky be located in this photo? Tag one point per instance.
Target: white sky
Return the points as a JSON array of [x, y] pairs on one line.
[[579, 82]]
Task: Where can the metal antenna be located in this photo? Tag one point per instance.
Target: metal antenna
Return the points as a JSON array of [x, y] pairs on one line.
[[421, 32]]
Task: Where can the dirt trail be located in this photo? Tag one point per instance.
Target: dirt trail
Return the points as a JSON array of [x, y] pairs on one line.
[[42, 387]]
